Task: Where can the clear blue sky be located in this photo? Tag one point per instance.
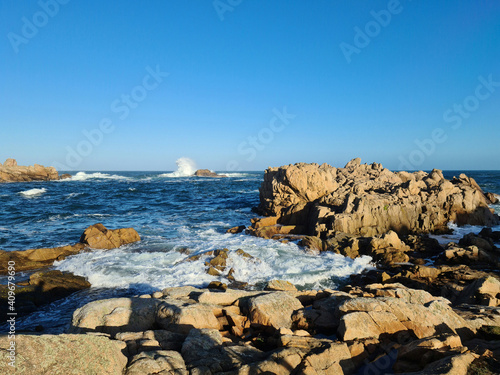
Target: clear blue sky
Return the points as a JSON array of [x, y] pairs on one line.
[[231, 67]]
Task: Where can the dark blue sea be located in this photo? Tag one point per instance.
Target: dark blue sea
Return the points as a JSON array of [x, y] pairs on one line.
[[172, 212]]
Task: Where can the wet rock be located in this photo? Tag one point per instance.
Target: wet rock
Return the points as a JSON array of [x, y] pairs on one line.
[[97, 236], [235, 230], [42, 288], [206, 173]]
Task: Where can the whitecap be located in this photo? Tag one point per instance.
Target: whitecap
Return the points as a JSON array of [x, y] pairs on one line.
[[33, 192], [82, 176]]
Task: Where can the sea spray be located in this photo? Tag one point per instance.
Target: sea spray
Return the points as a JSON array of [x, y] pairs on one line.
[[185, 167]]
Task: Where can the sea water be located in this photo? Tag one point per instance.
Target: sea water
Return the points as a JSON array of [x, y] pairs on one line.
[[177, 215]]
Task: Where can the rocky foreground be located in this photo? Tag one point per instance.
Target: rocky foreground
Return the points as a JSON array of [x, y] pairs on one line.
[[377, 329], [11, 172]]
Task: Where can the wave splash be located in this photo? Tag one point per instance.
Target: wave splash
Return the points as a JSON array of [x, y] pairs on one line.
[[185, 168], [33, 192], [82, 176]]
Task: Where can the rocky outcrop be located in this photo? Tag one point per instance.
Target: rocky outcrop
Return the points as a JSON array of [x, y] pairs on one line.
[[369, 200], [11, 172], [206, 173], [41, 288], [96, 237], [62, 354], [388, 328]]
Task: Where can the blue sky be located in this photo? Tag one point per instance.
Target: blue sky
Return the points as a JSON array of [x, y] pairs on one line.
[[129, 85]]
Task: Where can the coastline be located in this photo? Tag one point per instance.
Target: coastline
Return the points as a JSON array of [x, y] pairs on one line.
[[403, 267]]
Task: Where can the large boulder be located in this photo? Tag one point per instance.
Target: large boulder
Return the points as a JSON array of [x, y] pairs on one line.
[[11, 172], [41, 288], [63, 354], [157, 362], [97, 236], [273, 309], [179, 316], [369, 200], [399, 309], [116, 315]]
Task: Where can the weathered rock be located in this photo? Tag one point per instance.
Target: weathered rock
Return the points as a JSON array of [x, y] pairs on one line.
[[11, 172], [97, 236], [178, 316], [206, 173], [484, 291], [399, 310], [63, 354], [235, 230], [157, 362], [493, 198], [369, 200], [116, 315], [280, 285], [36, 258], [274, 309], [454, 365], [428, 349]]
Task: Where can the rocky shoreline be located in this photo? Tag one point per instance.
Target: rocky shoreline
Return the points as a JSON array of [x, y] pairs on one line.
[[11, 172], [427, 308]]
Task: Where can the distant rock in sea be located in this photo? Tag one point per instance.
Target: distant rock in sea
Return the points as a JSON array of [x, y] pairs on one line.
[[206, 173], [11, 172]]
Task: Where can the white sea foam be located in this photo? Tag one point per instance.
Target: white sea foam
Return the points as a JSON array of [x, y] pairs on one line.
[[33, 192], [234, 174], [82, 176], [72, 195], [131, 266], [458, 232], [185, 168]]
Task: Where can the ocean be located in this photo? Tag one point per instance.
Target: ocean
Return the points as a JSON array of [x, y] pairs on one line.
[[172, 212]]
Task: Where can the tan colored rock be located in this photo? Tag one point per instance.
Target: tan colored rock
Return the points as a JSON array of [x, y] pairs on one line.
[[98, 236], [281, 362], [36, 258], [156, 362], [274, 309], [484, 291], [370, 200], [178, 316], [416, 350], [454, 365], [116, 315], [11, 172], [63, 354], [280, 285]]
